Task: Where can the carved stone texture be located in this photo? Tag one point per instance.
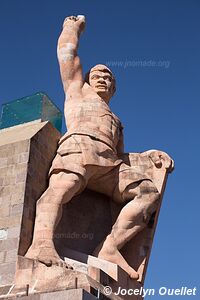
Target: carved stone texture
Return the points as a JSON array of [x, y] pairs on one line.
[[25, 158], [91, 155]]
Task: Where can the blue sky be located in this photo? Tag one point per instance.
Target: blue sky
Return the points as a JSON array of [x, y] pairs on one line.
[[158, 105]]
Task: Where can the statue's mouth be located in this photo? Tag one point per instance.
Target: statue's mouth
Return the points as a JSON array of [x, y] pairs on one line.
[[101, 86]]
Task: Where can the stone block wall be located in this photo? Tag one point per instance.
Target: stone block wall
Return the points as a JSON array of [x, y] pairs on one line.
[[13, 168], [25, 158]]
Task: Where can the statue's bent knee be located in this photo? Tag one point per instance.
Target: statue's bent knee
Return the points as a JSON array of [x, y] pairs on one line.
[[148, 187], [144, 195], [145, 187], [60, 185], [150, 197]]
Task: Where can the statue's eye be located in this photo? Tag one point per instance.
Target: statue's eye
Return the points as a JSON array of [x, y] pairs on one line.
[[95, 77], [107, 78]]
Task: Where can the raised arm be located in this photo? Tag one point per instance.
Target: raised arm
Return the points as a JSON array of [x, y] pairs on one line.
[[70, 66]]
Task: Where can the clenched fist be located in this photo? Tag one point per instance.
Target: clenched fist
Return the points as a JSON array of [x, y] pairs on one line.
[[76, 22]]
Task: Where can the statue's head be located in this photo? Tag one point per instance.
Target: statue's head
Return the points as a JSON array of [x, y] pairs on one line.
[[101, 79]]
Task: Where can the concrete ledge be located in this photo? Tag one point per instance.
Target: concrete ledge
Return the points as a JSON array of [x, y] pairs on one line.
[[76, 294]]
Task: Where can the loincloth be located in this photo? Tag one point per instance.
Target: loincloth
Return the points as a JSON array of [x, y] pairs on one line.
[[98, 165], [83, 150]]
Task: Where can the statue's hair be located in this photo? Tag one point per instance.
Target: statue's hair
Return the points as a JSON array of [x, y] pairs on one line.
[[101, 68]]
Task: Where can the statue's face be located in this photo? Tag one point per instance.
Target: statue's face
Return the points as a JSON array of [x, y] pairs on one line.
[[102, 83]]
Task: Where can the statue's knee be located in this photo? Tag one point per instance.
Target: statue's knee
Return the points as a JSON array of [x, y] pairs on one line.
[[60, 185], [130, 192], [64, 182], [150, 198], [139, 189], [147, 187]]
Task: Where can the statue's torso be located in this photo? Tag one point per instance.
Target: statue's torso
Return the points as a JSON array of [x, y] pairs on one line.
[[92, 116]]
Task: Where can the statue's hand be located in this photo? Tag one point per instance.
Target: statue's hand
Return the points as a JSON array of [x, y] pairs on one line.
[[160, 158], [76, 22]]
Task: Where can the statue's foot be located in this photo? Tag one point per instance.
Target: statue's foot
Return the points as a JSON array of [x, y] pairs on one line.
[[110, 253], [46, 255]]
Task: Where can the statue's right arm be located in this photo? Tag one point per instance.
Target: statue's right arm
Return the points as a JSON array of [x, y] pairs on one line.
[[69, 61]]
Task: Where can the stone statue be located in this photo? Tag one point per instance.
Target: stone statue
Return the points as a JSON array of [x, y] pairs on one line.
[[90, 155]]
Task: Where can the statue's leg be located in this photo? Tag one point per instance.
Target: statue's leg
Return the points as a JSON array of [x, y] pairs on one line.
[[143, 201], [62, 187]]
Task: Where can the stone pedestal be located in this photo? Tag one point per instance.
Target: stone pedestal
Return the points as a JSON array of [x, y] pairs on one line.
[[26, 153], [78, 294]]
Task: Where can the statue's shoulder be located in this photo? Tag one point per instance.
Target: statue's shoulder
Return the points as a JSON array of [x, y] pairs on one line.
[[118, 121], [87, 88]]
